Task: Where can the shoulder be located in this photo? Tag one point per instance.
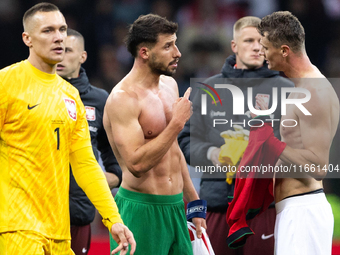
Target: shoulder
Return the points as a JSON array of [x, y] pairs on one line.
[[316, 90], [68, 87], [12, 70], [12, 67], [168, 80], [169, 84], [121, 101]]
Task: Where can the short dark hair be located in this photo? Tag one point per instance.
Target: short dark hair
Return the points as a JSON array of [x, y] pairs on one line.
[[283, 28], [41, 7], [146, 30], [72, 32]]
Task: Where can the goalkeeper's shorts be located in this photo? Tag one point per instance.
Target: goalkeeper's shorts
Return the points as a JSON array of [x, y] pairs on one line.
[[26, 242]]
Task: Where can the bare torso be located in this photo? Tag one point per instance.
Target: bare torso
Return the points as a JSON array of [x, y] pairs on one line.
[[302, 136], [155, 112]]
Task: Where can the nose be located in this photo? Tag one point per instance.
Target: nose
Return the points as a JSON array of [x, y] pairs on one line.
[[177, 52], [257, 46], [60, 36]]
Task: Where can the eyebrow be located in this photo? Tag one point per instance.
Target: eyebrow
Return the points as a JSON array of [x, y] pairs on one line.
[[48, 27], [53, 27], [169, 42]]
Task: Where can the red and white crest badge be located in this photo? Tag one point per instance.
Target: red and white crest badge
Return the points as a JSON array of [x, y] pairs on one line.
[[90, 113], [71, 108]]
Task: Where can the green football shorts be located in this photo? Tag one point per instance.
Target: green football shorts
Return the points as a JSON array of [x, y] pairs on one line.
[[158, 222]]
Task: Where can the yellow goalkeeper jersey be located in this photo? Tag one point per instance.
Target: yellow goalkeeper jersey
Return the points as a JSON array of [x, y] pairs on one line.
[[42, 121]]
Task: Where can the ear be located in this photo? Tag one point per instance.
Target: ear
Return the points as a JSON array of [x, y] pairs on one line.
[[144, 53], [83, 57], [27, 39], [233, 46], [285, 50]]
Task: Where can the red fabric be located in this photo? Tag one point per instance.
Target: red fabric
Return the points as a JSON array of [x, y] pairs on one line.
[[253, 190], [81, 239], [218, 231]]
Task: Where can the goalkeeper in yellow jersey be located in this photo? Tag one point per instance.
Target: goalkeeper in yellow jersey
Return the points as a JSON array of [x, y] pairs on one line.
[[43, 128]]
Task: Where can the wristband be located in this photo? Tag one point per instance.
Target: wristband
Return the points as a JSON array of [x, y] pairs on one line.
[[196, 208]]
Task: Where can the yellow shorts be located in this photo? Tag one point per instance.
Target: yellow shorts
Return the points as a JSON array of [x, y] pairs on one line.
[[32, 243]]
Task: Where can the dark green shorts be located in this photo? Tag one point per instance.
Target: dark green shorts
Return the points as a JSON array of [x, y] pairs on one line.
[[157, 222]]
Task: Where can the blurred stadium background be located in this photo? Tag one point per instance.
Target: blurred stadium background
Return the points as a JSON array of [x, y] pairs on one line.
[[205, 32]]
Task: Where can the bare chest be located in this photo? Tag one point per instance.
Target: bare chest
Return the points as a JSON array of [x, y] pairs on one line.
[[156, 113]]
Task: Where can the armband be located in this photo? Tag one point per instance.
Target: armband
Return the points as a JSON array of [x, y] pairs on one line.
[[196, 208]]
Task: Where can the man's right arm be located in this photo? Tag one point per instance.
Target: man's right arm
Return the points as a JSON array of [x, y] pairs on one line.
[[124, 130], [3, 106]]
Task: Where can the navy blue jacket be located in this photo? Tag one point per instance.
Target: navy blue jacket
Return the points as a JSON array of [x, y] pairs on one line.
[[82, 211]]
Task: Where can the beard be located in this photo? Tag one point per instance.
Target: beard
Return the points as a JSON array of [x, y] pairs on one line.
[[160, 68]]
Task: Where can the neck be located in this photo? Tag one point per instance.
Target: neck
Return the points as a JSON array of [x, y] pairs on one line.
[[42, 66], [141, 73], [298, 66]]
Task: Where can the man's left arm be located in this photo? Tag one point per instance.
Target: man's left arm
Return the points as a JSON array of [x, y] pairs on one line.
[[90, 178], [190, 195], [316, 137]]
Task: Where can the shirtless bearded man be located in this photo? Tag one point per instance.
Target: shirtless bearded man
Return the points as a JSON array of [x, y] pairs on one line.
[[143, 116]]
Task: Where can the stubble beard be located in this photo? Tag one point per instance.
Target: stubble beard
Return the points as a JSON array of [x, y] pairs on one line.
[[159, 68]]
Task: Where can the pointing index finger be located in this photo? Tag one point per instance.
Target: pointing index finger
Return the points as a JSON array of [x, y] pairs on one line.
[[187, 93]]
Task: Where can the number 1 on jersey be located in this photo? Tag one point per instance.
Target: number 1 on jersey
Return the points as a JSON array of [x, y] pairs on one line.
[[58, 137]]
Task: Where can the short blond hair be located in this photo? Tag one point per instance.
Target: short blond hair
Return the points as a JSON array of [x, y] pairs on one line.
[[247, 21]]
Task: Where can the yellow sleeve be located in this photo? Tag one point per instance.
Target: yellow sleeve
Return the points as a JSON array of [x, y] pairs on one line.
[[91, 179], [3, 106]]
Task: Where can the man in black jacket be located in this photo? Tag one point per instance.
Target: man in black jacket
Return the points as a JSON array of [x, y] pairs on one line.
[[202, 146], [82, 211]]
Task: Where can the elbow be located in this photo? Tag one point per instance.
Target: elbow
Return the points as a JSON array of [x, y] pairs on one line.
[[319, 176], [136, 170]]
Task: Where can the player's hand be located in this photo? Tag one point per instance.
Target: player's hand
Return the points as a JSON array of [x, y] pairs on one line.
[[214, 156], [199, 223], [182, 108], [260, 105], [123, 237]]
